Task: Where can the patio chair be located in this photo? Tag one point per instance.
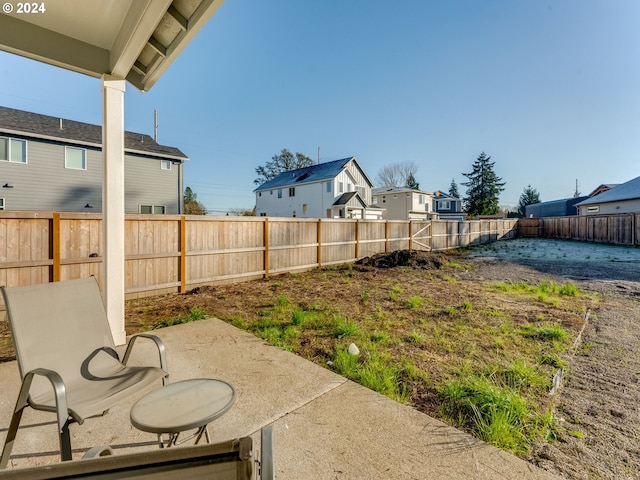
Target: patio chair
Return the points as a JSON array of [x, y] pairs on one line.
[[67, 357]]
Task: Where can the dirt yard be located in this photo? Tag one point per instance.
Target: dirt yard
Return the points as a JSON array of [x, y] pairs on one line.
[[597, 405]]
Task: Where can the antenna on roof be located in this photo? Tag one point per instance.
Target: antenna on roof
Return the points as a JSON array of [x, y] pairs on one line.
[[155, 125], [318, 155]]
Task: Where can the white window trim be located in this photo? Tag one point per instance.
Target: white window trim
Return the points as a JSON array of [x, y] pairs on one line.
[[8, 159], [84, 157], [165, 162], [444, 204], [594, 209]]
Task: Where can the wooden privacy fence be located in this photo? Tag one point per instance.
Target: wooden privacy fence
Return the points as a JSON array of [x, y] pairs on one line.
[[169, 253], [623, 229]]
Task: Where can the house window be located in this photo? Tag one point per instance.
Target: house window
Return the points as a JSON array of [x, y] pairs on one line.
[[304, 208], [165, 164], [292, 191], [279, 193], [360, 190], [341, 187], [593, 209], [328, 187], [12, 150], [374, 200], [75, 158], [152, 209], [1, 203], [444, 204], [349, 187], [421, 199]]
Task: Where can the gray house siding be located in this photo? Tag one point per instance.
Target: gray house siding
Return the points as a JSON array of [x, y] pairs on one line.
[[160, 187], [43, 183]]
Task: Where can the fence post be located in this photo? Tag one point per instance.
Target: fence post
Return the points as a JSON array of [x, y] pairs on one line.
[[265, 233], [182, 242], [357, 239], [319, 238], [386, 236], [410, 236], [55, 247]]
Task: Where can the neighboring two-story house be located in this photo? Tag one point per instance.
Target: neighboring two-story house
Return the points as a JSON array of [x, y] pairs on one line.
[[448, 207], [54, 164], [403, 203], [337, 189]]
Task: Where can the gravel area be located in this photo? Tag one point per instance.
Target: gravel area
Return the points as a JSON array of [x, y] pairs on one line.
[[597, 405]]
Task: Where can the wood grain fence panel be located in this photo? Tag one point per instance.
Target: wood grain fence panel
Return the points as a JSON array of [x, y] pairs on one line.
[[398, 236], [421, 235], [371, 237], [620, 230], [464, 234], [439, 234]]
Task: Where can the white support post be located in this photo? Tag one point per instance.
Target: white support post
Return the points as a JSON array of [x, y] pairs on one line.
[[113, 204]]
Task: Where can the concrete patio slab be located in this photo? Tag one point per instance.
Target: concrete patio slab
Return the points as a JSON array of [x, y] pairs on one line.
[[325, 427]]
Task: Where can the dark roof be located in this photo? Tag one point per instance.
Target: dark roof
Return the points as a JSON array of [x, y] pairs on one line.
[[625, 191], [314, 173], [30, 124], [346, 197]]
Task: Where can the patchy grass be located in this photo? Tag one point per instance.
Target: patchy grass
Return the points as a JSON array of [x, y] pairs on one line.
[[479, 355]]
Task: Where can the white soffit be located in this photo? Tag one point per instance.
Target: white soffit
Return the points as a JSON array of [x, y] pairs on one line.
[[134, 40]]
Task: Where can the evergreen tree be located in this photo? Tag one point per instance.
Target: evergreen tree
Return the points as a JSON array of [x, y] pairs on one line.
[[529, 196], [453, 189], [484, 188], [411, 182]]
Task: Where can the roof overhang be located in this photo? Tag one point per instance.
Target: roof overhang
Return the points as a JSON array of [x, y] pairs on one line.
[[135, 40]]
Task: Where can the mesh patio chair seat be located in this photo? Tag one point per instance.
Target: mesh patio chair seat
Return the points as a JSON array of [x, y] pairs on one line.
[[67, 357]]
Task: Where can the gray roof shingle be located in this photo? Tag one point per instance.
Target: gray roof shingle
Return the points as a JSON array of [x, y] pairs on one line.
[[625, 191], [44, 126]]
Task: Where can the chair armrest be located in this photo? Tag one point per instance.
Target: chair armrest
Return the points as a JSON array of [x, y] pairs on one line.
[[59, 389], [161, 351]]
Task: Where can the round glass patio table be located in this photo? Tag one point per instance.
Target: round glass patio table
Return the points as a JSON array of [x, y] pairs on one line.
[[181, 406]]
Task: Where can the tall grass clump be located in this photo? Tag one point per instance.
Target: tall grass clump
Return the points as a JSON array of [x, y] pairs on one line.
[[374, 372], [494, 405], [345, 328]]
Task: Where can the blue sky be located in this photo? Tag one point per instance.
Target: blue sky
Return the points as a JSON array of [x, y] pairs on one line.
[[550, 89]]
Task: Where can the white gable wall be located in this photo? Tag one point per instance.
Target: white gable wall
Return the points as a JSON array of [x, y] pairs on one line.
[[309, 200]]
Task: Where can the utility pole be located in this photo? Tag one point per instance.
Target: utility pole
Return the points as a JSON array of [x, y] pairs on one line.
[[576, 193], [155, 125]]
